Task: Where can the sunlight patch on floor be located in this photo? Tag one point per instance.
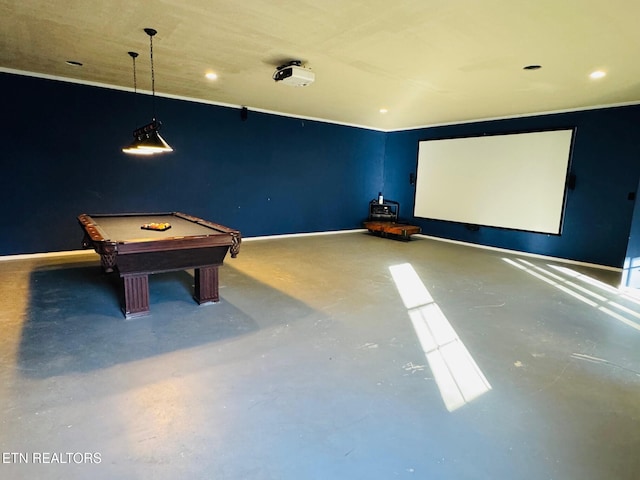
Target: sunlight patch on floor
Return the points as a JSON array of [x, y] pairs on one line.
[[457, 375], [595, 294]]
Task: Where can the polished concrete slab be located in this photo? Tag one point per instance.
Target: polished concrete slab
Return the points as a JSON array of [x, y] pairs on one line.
[[329, 357]]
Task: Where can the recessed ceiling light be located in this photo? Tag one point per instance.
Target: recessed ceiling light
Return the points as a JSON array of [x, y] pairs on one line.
[[383, 110], [597, 74], [211, 76], [532, 67], [73, 63]]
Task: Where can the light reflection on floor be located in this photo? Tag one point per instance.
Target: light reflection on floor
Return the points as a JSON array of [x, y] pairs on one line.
[[456, 373], [597, 299]]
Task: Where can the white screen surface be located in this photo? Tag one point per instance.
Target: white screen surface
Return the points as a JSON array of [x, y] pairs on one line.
[[514, 181]]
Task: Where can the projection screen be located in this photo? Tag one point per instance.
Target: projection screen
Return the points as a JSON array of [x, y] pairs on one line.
[[514, 181]]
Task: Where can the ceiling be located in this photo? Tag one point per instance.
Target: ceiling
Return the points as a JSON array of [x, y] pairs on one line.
[[428, 62]]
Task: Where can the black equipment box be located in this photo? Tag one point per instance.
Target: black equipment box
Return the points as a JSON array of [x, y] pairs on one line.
[[387, 211]]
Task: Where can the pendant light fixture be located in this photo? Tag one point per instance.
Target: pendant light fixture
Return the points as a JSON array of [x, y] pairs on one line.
[[133, 147], [147, 140]]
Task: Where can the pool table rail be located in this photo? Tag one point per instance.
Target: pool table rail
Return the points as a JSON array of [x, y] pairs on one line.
[[96, 237]]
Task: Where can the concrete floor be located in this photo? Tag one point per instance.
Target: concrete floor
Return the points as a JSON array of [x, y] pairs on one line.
[[317, 364]]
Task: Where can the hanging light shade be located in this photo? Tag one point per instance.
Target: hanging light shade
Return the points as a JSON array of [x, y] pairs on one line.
[[155, 143], [134, 149], [147, 140]]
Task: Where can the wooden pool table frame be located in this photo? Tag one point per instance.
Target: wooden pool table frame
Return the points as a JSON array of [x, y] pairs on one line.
[[135, 259]]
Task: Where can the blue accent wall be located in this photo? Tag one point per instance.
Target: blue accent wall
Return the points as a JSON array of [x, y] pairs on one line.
[[272, 174], [267, 175], [598, 212]]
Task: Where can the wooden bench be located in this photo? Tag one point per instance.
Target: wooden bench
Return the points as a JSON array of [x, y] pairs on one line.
[[393, 229]]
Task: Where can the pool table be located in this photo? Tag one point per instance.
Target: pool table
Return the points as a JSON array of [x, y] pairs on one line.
[[134, 252]]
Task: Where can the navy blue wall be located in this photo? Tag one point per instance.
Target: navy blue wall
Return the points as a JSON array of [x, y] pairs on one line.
[[606, 163], [272, 174], [268, 175]]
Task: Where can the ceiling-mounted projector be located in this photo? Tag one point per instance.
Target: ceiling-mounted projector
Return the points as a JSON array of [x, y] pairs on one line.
[[294, 74]]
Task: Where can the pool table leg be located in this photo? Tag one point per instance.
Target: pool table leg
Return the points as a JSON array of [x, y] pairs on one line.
[[206, 279], [136, 295]]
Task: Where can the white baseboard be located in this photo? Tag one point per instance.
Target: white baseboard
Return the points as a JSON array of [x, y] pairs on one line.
[[30, 256], [524, 254]]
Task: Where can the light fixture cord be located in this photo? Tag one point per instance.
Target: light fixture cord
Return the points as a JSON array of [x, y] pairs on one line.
[[135, 81], [153, 78]]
